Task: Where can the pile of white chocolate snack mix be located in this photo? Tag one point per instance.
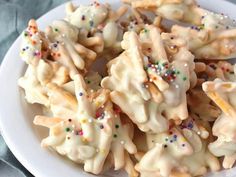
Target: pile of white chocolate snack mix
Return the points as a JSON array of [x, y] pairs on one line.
[[164, 101]]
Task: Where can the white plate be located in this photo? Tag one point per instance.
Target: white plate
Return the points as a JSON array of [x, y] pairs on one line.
[[22, 137]]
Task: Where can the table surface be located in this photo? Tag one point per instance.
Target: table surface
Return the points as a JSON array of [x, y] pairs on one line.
[[14, 16]]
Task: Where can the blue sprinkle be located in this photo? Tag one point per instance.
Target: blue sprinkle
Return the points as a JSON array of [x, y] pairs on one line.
[[80, 94], [190, 125], [91, 23]]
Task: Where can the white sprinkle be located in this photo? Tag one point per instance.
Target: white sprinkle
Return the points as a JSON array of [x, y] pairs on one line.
[[185, 64], [73, 126], [176, 86], [122, 142], [145, 59], [97, 150], [63, 35], [150, 80], [171, 80], [146, 86], [116, 116], [92, 91], [37, 33], [41, 41], [62, 43], [102, 106], [226, 46], [154, 69], [198, 133], [90, 120], [72, 131]]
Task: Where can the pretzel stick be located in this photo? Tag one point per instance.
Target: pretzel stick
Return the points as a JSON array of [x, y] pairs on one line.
[[144, 4], [70, 8], [91, 55], [157, 21], [200, 67], [157, 44], [156, 94], [179, 174], [62, 93], [129, 166], [46, 121], [137, 15], [114, 16], [91, 41], [135, 53], [158, 81], [224, 86], [226, 34], [226, 107]]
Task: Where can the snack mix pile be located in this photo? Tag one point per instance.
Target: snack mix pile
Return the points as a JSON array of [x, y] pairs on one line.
[[163, 103]]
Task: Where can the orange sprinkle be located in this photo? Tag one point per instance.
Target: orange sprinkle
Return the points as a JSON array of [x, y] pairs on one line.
[[33, 42], [58, 54], [53, 54]]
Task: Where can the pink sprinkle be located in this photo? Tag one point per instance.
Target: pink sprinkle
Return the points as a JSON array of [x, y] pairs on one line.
[[81, 132]]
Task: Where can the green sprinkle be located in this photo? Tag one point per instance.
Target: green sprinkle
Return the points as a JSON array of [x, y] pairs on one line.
[[177, 72], [145, 30], [145, 68], [56, 29], [67, 129], [117, 126], [201, 27], [25, 34], [115, 135], [184, 78], [88, 82], [157, 63], [217, 26]]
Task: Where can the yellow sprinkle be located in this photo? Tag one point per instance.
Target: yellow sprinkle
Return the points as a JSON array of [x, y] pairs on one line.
[[183, 139], [98, 103], [102, 151], [83, 121], [84, 140]]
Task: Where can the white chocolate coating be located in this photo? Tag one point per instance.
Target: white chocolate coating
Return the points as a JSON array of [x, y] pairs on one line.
[[223, 94], [87, 16], [132, 95], [88, 137]]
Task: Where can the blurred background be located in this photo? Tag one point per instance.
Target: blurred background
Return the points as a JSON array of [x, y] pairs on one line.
[[14, 16]]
